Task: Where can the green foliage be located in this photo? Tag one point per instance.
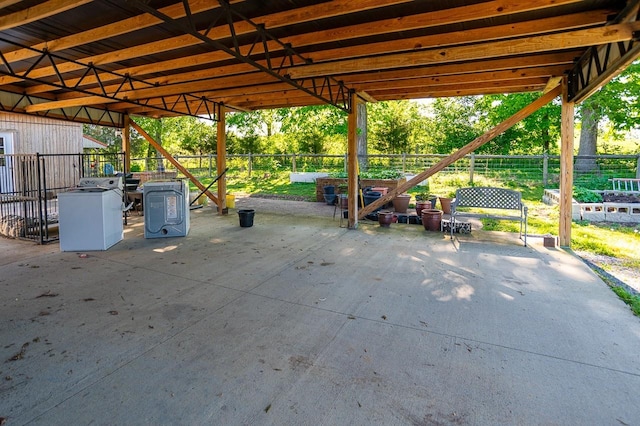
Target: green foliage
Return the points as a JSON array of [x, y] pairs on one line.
[[136, 168], [107, 135], [594, 182], [584, 195], [619, 100], [371, 174], [392, 126], [381, 174], [633, 300], [452, 125], [535, 134]]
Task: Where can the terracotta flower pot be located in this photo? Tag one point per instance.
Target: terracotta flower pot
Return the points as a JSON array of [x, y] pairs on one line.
[[445, 204], [421, 205], [401, 203], [386, 218], [431, 219]]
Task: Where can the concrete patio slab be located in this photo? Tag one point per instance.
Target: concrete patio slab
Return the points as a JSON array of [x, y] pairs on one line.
[[298, 321]]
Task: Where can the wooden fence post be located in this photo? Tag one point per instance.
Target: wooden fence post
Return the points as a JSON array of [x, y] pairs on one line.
[[472, 166], [545, 169]]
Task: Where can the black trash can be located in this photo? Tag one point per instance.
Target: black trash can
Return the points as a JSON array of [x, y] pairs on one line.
[[370, 197], [246, 217]]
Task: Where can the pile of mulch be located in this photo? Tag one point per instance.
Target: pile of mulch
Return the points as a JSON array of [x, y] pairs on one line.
[[620, 198]]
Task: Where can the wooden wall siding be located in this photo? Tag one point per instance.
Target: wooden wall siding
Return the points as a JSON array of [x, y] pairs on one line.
[[42, 135], [33, 135]]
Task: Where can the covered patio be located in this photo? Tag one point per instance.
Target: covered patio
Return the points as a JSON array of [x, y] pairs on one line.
[[298, 321]]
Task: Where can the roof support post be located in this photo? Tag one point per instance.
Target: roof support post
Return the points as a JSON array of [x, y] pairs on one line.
[[221, 161], [126, 142], [352, 161], [566, 166]]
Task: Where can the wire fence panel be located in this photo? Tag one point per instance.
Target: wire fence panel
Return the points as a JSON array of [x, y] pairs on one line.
[[538, 169]]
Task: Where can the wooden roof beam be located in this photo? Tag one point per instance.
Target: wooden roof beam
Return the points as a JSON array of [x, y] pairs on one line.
[[489, 65], [112, 30], [524, 46], [483, 10], [37, 12], [512, 30], [509, 75], [276, 20], [480, 86], [448, 16]]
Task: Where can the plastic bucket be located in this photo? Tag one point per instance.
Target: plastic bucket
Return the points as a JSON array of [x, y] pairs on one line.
[[371, 196], [246, 217], [330, 199], [231, 201]]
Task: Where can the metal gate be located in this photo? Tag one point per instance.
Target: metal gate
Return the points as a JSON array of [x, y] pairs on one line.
[[29, 187]]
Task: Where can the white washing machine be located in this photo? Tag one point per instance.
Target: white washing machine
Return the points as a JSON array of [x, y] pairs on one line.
[[90, 215]]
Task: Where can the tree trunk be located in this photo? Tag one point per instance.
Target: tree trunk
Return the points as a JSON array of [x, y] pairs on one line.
[[588, 140], [362, 136], [546, 139]]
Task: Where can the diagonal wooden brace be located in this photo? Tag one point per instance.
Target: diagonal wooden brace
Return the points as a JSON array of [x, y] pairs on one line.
[[173, 161], [467, 149]]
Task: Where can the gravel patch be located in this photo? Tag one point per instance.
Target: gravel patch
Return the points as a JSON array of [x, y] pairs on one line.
[[613, 269]]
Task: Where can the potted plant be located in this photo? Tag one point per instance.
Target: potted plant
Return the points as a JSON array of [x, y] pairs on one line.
[[445, 202], [425, 201]]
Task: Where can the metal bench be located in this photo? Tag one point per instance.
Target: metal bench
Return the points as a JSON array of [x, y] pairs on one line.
[[626, 185], [489, 198]]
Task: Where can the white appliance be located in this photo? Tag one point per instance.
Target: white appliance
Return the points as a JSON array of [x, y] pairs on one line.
[[90, 215], [166, 209]]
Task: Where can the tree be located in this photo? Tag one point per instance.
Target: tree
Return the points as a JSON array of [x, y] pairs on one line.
[[196, 136], [617, 104], [453, 124], [313, 127], [392, 125], [535, 134]]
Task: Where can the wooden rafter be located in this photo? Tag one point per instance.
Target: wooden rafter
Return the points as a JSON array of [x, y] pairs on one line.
[[37, 12], [389, 49], [524, 46]]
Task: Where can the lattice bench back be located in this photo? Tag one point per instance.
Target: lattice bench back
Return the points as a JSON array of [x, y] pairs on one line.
[[490, 198]]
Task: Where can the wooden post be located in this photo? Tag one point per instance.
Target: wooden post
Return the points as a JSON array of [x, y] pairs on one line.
[[173, 161], [472, 166], [467, 149], [566, 166], [352, 162], [221, 162], [126, 143]]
